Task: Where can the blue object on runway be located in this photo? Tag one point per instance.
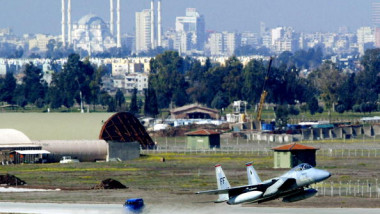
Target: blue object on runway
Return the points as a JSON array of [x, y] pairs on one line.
[[135, 205]]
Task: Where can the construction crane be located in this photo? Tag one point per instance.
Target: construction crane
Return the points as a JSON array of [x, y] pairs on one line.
[[264, 93]]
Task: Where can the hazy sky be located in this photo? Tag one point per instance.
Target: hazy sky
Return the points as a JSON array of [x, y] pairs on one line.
[[44, 16]]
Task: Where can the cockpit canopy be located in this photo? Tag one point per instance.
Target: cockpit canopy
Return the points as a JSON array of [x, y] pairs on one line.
[[302, 166]]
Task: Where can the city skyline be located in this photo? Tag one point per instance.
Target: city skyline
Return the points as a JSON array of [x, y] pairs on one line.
[[23, 16]]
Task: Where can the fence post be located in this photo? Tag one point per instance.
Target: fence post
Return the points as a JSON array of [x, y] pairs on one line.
[[349, 187], [340, 184], [332, 189]]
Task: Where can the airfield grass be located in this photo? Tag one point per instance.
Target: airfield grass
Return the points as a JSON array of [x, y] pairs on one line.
[[179, 173]]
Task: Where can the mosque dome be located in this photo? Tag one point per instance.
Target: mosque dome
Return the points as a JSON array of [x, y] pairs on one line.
[[91, 19]]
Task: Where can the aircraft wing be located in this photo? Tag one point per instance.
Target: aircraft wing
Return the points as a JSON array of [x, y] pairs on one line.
[[282, 184], [238, 189]]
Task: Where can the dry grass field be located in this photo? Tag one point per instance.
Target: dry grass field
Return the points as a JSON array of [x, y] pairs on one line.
[[178, 178]]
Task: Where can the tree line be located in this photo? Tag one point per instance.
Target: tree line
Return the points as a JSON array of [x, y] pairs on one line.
[[176, 81]]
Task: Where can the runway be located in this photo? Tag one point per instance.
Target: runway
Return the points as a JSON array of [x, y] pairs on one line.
[[48, 208]]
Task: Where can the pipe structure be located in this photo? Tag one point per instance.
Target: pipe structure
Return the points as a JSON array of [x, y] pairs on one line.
[[118, 25], [152, 24], [63, 23], [69, 22], [112, 17], [159, 30]]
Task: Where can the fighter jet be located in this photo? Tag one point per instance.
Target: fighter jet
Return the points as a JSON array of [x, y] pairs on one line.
[[291, 187]]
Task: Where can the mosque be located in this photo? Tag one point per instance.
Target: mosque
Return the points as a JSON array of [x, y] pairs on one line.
[[92, 34]]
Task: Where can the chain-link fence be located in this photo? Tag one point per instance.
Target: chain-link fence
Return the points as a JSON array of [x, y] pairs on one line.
[[358, 188]]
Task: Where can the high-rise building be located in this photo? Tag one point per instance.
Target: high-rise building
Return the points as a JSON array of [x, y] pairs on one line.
[[192, 25], [216, 44], [143, 31], [376, 22], [366, 38], [231, 42], [223, 44]]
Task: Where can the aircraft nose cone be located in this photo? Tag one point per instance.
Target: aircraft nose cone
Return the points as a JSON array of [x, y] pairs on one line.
[[325, 175], [329, 174], [322, 175]]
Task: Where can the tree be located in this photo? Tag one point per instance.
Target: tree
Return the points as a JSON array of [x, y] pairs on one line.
[[312, 105], [368, 79], [150, 104], [282, 116], [133, 107], [34, 85], [253, 75], [232, 81], [329, 81], [78, 82], [167, 76], [7, 89], [220, 101], [119, 100]]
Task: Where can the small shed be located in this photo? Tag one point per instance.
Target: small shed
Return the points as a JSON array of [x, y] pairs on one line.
[[203, 139], [291, 155]]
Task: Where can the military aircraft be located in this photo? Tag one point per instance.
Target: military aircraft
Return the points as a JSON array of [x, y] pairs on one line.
[[292, 186]]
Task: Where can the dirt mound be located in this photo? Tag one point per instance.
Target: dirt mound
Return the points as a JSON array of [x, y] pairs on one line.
[[11, 180], [110, 184]]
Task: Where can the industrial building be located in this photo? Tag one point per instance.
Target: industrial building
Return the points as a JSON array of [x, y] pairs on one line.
[[12, 141], [202, 139], [289, 156], [194, 111], [120, 138]]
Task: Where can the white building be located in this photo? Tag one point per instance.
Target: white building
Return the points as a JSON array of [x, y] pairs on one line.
[[39, 42], [223, 44], [136, 80], [143, 31], [92, 34], [365, 36], [191, 31], [216, 44]]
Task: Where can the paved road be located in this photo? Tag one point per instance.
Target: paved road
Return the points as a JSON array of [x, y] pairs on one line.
[[48, 208]]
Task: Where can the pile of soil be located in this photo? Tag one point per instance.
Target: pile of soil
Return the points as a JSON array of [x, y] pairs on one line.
[[11, 180], [110, 184]]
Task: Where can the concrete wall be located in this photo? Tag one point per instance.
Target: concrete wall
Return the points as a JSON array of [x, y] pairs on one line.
[[357, 131], [336, 133], [325, 133], [307, 134], [316, 134], [347, 130], [368, 131], [376, 129], [123, 151]]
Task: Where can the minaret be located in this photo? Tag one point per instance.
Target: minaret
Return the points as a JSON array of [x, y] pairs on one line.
[[111, 17], [159, 30], [152, 25], [118, 25], [69, 22], [63, 23]]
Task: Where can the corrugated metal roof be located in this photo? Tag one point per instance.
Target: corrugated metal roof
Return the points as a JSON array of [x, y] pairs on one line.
[[295, 146], [125, 127], [202, 132]]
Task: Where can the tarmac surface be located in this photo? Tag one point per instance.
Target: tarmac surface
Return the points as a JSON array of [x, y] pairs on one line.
[[45, 208]]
